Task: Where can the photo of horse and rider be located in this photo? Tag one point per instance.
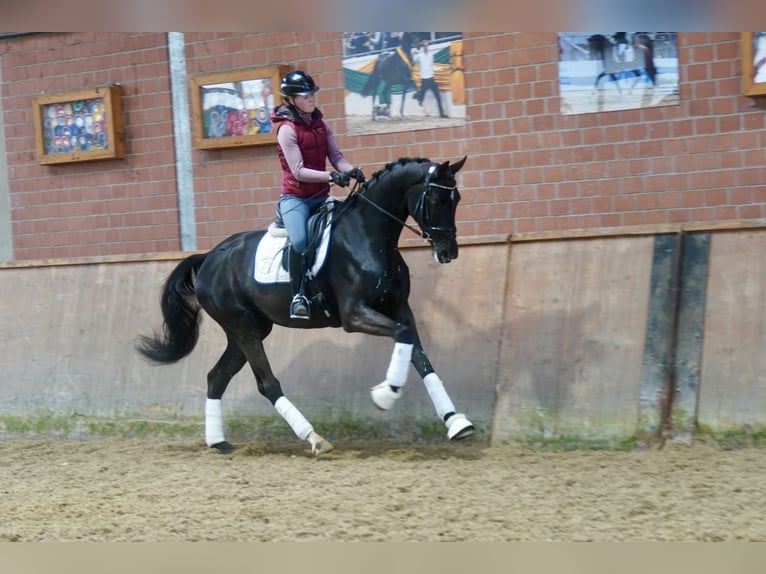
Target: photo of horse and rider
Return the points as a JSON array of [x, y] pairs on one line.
[[400, 81], [608, 71]]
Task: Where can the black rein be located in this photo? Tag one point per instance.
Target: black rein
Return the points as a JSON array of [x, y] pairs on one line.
[[419, 208]]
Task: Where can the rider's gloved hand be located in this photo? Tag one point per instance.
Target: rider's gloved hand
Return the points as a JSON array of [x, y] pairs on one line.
[[356, 174], [339, 178]]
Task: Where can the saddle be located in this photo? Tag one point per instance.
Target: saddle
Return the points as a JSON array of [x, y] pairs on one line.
[[318, 222], [273, 250]]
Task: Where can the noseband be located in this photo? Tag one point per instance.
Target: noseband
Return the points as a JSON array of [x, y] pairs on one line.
[[422, 211]]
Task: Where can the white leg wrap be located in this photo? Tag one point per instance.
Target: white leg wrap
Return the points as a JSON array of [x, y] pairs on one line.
[[301, 427], [435, 387], [213, 422], [396, 375]]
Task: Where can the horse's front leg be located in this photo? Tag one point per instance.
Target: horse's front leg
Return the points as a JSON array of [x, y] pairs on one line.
[[458, 425], [407, 349], [365, 319]]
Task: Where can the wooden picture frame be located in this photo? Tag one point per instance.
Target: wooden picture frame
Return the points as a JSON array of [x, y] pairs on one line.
[[233, 109], [81, 125], [753, 86]]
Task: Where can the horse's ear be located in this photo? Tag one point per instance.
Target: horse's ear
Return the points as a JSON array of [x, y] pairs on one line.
[[455, 167]]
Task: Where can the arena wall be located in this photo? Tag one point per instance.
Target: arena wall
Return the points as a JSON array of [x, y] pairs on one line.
[[589, 339]]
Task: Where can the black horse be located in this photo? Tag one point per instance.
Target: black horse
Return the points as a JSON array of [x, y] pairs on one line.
[[364, 286], [620, 56], [392, 68]]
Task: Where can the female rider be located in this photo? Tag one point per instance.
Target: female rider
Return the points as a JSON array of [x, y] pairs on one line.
[[304, 142]]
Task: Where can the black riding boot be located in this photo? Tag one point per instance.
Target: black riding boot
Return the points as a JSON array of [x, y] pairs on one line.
[[299, 307]]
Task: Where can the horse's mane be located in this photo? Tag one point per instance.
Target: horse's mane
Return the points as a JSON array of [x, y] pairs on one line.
[[389, 167]]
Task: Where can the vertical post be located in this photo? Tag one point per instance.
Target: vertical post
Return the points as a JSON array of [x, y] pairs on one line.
[[657, 374], [691, 322], [670, 372], [6, 237], [182, 137]]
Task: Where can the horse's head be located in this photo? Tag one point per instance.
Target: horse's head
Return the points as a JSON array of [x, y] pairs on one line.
[[433, 206], [597, 43]]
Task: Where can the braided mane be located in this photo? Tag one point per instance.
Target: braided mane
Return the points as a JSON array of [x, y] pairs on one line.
[[376, 177], [402, 161]]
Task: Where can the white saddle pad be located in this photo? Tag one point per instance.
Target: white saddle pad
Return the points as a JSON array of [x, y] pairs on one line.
[[268, 256]]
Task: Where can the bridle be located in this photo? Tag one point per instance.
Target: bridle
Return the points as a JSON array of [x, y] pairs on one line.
[[422, 211]]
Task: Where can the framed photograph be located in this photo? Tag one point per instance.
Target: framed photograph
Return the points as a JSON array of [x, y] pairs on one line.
[[754, 63], [82, 125], [233, 109], [385, 91], [611, 71]]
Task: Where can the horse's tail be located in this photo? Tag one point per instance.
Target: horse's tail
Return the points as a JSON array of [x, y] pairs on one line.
[[371, 85], [180, 313]]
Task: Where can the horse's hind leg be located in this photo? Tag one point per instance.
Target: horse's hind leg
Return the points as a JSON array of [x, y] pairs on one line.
[[230, 363], [269, 387]]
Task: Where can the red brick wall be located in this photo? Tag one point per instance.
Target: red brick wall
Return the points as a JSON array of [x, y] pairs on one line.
[[91, 208], [529, 169]]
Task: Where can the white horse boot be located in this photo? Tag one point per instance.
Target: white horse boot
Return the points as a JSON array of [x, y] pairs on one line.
[[382, 394], [458, 426], [383, 397]]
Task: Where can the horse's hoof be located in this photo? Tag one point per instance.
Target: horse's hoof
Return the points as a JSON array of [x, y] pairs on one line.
[[223, 447], [319, 445], [458, 426], [383, 397]]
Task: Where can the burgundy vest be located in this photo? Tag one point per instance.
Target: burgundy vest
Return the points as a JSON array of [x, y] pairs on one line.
[[312, 140]]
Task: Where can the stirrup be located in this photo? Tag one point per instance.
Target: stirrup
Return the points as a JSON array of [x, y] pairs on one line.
[[299, 307]]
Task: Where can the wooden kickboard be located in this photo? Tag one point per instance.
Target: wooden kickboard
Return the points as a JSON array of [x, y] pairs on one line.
[[733, 375], [572, 346]]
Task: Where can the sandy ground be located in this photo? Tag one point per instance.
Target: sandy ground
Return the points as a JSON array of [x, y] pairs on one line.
[[120, 489]]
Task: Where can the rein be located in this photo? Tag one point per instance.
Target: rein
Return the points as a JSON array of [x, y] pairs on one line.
[[420, 208], [392, 216]]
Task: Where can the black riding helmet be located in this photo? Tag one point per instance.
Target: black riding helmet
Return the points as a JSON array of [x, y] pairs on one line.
[[297, 83]]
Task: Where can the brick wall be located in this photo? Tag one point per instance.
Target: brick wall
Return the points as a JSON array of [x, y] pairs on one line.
[[91, 208], [530, 168]]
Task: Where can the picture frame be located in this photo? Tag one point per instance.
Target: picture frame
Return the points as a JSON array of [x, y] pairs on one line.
[[233, 109], [753, 73], [79, 125]]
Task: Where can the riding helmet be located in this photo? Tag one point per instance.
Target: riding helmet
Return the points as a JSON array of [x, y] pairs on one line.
[[297, 83]]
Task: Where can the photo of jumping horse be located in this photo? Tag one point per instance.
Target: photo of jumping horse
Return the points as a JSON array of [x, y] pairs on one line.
[[363, 287]]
